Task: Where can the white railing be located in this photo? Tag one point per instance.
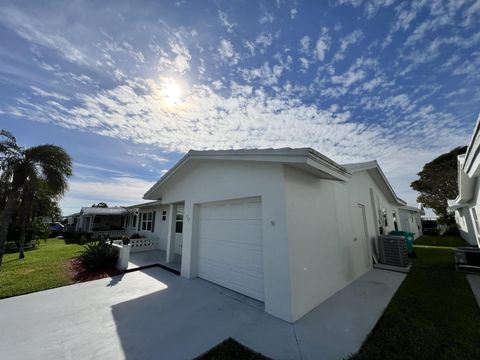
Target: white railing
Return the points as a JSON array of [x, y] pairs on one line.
[[145, 244], [108, 234]]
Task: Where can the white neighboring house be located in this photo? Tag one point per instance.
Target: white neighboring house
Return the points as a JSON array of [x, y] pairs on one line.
[[467, 204], [98, 221], [411, 219], [288, 227]]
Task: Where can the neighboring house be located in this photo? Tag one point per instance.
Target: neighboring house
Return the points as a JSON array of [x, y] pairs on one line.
[[411, 219], [102, 221], [467, 204], [150, 221], [288, 227]]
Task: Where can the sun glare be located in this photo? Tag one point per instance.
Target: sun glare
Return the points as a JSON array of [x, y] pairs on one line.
[[171, 92]]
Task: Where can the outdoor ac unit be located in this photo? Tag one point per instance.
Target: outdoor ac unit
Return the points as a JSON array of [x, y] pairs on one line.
[[393, 250]]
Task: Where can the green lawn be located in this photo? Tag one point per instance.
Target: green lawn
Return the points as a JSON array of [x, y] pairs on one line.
[[42, 268], [433, 315], [452, 241]]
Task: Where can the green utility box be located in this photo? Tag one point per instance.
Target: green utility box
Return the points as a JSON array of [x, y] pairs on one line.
[[409, 237]]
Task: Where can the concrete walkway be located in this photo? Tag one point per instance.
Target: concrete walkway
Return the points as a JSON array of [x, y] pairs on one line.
[[154, 314]]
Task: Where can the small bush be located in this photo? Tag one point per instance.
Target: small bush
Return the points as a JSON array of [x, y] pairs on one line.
[[135, 236], [97, 256], [77, 237]]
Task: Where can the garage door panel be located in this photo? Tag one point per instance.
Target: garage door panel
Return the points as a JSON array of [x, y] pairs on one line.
[[232, 231], [230, 245]]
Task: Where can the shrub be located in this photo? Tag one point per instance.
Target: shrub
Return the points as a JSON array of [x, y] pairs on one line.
[[78, 237], [96, 256], [135, 236], [125, 240], [40, 230]]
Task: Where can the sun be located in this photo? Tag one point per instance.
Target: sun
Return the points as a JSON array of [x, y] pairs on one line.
[[171, 92]]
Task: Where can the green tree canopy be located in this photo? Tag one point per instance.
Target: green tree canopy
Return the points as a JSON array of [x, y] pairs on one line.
[[438, 182], [28, 174]]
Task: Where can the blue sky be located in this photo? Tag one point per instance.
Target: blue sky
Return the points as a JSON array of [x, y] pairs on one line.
[[128, 87]]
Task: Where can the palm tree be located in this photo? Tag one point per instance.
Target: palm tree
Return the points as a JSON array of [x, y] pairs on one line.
[[22, 169]]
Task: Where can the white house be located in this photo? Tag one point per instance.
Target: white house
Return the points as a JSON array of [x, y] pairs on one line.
[[467, 204], [411, 219], [288, 227]]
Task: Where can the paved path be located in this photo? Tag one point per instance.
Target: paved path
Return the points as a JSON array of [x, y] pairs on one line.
[[154, 314]]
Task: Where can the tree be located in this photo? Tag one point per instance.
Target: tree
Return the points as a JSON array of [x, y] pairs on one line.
[[438, 182], [100, 205], [23, 172]]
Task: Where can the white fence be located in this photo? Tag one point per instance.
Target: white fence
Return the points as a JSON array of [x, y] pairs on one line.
[[145, 244]]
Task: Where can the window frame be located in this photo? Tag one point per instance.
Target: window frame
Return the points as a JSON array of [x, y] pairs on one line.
[[146, 221], [179, 221]]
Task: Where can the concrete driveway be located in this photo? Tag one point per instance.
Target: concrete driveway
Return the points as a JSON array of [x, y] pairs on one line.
[[153, 314]]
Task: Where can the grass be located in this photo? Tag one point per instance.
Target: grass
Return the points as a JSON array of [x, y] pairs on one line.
[[433, 315], [231, 350], [431, 240], [42, 268]]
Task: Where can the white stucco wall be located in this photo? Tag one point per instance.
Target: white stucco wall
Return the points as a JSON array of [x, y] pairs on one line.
[[325, 226], [226, 180]]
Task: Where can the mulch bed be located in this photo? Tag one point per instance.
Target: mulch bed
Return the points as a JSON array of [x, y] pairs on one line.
[[77, 272]]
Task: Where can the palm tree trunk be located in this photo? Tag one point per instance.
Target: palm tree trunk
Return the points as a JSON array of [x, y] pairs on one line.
[[26, 212], [5, 221]]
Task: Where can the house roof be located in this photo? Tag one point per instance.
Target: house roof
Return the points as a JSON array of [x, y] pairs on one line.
[[378, 177], [306, 159], [413, 209], [142, 205], [117, 210]]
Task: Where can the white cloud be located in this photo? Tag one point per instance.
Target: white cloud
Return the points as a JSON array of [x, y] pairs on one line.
[[372, 7], [264, 39], [225, 22], [227, 52], [265, 74], [348, 78], [37, 31], [305, 44], [304, 63], [266, 18], [181, 58], [47, 94], [250, 46], [293, 13], [352, 38], [322, 45]]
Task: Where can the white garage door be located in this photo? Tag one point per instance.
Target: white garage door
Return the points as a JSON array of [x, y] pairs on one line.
[[230, 245]]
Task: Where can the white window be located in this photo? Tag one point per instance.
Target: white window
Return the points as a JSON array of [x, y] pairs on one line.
[[164, 215], [147, 221], [134, 222], [179, 221]]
